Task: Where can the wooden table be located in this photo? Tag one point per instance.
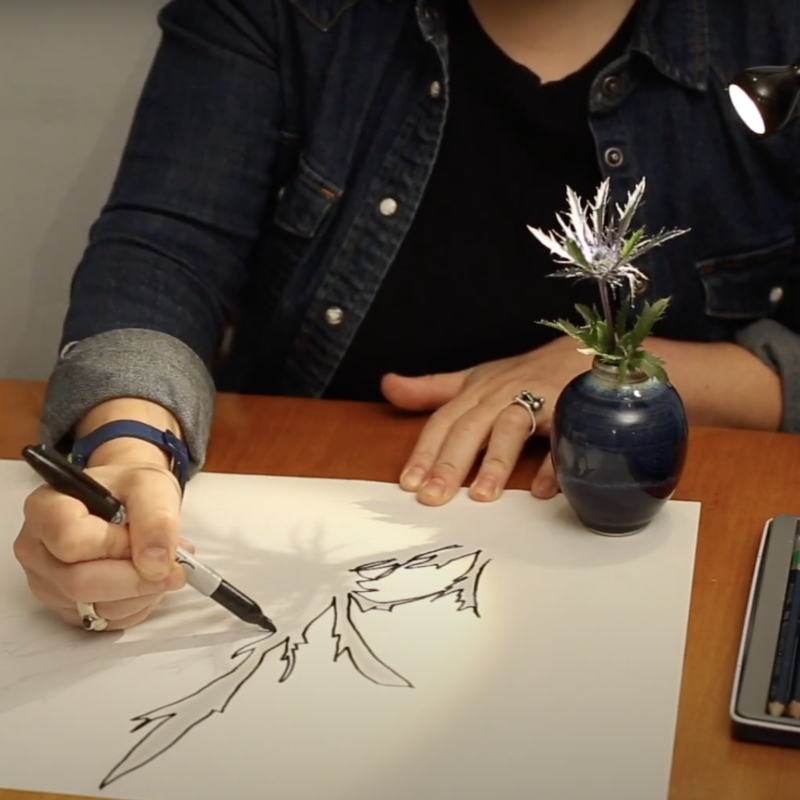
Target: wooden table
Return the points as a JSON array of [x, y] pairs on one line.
[[741, 477]]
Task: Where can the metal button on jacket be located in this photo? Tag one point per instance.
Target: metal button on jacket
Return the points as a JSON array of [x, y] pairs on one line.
[[435, 89], [776, 294], [388, 206], [334, 315], [614, 157], [611, 85]]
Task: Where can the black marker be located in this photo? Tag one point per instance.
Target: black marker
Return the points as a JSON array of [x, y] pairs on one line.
[[65, 477]]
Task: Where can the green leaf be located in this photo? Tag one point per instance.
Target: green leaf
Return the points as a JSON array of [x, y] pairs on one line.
[[622, 316], [605, 337], [588, 337], [624, 366], [599, 207], [651, 365], [590, 315], [650, 315], [632, 204], [576, 254], [624, 344], [563, 325], [627, 248], [585, 335], [656, 241]]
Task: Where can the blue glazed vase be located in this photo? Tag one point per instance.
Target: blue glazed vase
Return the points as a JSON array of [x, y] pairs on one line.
[[618, 448]]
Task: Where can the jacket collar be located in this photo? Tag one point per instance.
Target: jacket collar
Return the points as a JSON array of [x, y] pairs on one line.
[[673, 35]]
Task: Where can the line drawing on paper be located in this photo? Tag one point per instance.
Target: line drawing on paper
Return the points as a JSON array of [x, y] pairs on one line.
[[382, 585]]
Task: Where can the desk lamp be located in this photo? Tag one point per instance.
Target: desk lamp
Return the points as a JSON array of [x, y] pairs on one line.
[[766, 97]]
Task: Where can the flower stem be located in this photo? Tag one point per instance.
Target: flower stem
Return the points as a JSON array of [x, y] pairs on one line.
[[605, 299]]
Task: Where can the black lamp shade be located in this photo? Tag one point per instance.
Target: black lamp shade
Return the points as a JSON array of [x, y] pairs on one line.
[[774, 91]]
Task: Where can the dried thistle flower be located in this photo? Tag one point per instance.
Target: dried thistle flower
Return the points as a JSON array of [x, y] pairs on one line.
[[594, 243]]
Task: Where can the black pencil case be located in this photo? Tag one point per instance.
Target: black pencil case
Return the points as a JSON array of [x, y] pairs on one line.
[[751, 685]]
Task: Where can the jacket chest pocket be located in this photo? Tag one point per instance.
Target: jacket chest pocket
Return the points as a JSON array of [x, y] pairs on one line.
[[304, 202], [751, 285], [301, 211]]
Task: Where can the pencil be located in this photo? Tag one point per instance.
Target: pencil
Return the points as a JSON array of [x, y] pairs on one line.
[[779, 689], [794, 705]]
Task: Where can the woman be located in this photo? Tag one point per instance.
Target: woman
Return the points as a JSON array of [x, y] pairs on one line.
[[330, 198]]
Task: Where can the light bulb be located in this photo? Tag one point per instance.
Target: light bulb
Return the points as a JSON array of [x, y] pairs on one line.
[[747, 109]]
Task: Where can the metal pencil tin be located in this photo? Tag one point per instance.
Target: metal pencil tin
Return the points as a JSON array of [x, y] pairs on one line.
[[749, 698]]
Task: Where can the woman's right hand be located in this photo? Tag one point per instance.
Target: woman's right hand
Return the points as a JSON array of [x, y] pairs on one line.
[[69, 555]]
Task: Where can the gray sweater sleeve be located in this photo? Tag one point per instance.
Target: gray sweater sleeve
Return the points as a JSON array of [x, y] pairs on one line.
[[779, 348], [131, 362]]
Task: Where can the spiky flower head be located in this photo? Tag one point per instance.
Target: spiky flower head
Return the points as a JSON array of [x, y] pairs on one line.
[[593, 243]]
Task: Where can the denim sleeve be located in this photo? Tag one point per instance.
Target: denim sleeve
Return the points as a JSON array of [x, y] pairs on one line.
[[778, 347], [169, 251]]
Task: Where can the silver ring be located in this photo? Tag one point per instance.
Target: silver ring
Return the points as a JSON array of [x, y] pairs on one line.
[[90, 619], [531, 404]]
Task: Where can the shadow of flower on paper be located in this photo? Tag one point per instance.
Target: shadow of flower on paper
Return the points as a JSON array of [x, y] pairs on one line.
[[381, 585]]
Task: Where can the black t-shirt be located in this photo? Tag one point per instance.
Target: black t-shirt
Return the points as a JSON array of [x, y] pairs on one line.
[[470, 281]]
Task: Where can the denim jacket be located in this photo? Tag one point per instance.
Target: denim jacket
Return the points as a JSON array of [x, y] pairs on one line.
[[281, 148]]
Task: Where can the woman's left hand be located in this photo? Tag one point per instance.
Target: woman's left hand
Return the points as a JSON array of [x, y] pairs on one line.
[[722, 385], [474, 409]]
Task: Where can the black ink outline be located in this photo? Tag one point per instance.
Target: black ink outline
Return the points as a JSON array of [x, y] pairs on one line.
[[393, 678], [347, 637]]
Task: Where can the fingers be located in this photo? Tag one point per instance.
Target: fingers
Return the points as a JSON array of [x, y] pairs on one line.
[[119, 593], [69, 532], [545, 483], [101, 580], [153, 500], [69, 555], [451, 442], [187, 545], [119, 610], [425, 393], [507, 441], [448, 448], [71, 617], [118, 624], [444, 453]]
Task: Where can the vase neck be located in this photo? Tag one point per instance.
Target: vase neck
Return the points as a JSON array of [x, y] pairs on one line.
[[610, 372]]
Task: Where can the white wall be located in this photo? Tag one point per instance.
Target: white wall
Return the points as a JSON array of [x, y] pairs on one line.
[[70, 74]]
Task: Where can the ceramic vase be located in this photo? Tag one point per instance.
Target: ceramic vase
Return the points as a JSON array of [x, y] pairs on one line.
[[618, 447]]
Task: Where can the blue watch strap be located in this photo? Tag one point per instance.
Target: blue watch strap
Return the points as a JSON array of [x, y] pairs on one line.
[[83, 448]]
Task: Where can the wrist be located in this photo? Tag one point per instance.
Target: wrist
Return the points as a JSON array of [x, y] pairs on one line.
[[131, 430], [132, 408], [722, 384], [128, 451]]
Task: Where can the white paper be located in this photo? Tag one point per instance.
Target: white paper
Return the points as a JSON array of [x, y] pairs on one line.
[[474, 651]]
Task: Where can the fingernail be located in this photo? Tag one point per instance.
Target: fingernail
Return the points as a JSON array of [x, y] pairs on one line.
[[433, 489], [546, 487], [485, 488], [154, 561], [412, 478], [176, 580]]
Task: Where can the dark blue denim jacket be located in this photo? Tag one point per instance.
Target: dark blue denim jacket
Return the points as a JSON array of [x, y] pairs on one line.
[[281, 148]]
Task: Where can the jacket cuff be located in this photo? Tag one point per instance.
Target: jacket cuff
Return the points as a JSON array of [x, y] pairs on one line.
[[130, 362], [779, 348]]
